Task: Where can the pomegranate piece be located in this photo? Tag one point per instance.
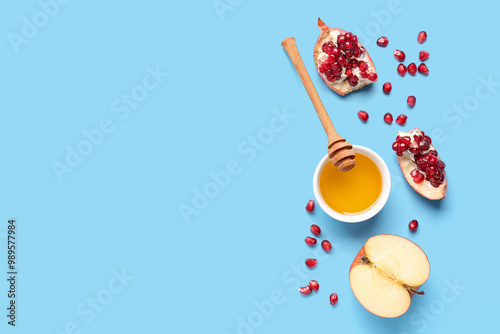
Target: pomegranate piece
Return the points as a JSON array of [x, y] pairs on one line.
[[334, 298], [382, 41], [423, 55], [342, 61], [314, 285], [422, 37], [413, 225], [388, 118], [401, 120], [310, 241], [422, 167], [387, 87], [315, 229], [412, 69], [401, 70], [422, 68], [363, 115], [311, 262], [310, 206], [327, 246], [305, 290], [411, 101], [399, 55]]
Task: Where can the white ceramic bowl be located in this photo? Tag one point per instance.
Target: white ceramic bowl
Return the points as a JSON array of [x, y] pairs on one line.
[[386, 188]]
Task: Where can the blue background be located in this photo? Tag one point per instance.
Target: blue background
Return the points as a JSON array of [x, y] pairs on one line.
[[216, 272]]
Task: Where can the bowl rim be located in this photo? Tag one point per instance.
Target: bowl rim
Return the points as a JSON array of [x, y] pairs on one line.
[[382, 200]]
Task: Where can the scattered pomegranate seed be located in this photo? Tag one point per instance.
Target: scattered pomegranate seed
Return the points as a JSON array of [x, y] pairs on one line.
[[388, 118], [387, 87], [314, 285], [363, 115], [411, 101], [413, 225], [412, 69], [399, 55], [315, 229], [305, 290], [422, 36], [327, 246], [422, 68], [401, 70], [311, 241], [334, 298], [310, 206], [311, 262], [423, 55], [382, 41], [401, 120]]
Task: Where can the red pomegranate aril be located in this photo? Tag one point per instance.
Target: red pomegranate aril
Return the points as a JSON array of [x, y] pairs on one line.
[[334, 298], [326, 245], [422, 36], [341, 60], [399, 55], [395, 144], [363, 115], [422, 68], [310, 206], [401, 70], [388, 119], [423, 55], [411, 101], [353, 80], [382, 41], [401, 120], [348, 45], [387, 87], [406, 140], [314, 285], [412, 69], [413, 225], [315, 230], [311, 262], [305, 290], [418, 178], [372, 76], [414, 173], [363, 67], [311, 241]]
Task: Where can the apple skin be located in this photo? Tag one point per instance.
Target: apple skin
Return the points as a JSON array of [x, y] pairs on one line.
[[357, 262]]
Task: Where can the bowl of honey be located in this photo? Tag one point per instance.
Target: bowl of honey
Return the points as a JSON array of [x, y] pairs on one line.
[[356, 195]]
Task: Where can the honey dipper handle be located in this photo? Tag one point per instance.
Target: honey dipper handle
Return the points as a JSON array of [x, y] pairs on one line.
[[292, 51]]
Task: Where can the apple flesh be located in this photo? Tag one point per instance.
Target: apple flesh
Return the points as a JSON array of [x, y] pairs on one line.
[[387, 273]]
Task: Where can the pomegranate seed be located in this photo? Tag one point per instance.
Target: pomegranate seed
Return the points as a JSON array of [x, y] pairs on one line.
[[327, 246], [406, 140], [399, 55], [422, 36], [311, 262], [401, 120], [411, 101], [382, 41], [363, 115], [388, 119], [341, 60], [413, 225], [363, 67], [387, 87], [401, 70], [412, 69], [334, 298], [422, 68], [419, 178], [305, 290], [311, 241], [315, 229], [423, 55], [310, 206], [372, 76], [314, 285]]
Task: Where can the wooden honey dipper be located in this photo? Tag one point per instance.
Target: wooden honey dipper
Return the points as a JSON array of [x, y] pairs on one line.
[[339, 150]]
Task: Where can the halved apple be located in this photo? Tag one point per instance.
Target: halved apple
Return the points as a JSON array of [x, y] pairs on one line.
[[386, 273]]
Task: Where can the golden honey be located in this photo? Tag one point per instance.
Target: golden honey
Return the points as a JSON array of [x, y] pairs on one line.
[[353, 192]]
